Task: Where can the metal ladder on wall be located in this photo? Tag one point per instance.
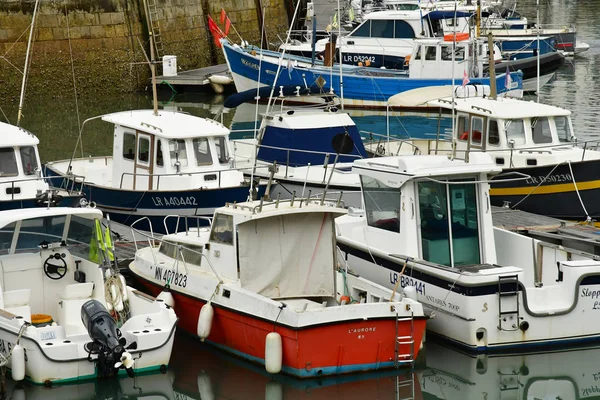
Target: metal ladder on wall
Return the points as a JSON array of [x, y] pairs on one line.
[[407, 340], [152, 16], [508, 292]]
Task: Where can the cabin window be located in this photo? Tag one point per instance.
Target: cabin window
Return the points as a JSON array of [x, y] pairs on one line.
[[28, 160], [202, 150], [36, 230], [515, 131], [462, 127], [160, 161], [563, 129], [143, 150], [8, 162], [459, 230], [540, 130], [363, 31], [178, 152], [222, 229], [222, 151], [382, 204], [382, 29], [403, 30], [128, 146], [418, 55], [476, 129], [191, 254], [430, 52], [494, 133], [446, 53]]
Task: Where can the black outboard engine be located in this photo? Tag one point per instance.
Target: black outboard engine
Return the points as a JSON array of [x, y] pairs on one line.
[[107, 341]]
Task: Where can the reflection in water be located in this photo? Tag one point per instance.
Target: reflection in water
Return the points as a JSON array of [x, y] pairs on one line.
[[452, 375]]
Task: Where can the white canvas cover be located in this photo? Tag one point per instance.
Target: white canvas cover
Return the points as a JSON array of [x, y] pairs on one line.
[[287, 256]]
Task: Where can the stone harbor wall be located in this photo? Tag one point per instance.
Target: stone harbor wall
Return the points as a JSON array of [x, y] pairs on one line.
[[99, 46]]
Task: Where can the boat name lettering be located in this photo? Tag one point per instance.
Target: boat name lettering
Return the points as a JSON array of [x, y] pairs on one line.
[[171, 277], [536, 180], [442, 381], [5, 347], [594, 294], [174, 201], [49, 335], [442, 303], [358, 57], [250, 64], [360, 330], [406, 280], [590, 390], [181, 396]]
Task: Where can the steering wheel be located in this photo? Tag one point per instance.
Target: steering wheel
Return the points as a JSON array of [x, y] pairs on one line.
[[54, 271]]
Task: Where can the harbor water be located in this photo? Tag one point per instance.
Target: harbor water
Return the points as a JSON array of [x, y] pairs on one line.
[[198, 371]]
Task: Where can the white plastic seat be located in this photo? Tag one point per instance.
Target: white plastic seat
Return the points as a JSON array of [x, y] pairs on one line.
[[71, 298], [17, 302]]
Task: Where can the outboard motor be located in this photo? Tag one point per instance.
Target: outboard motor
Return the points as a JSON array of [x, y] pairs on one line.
[[107, 341]]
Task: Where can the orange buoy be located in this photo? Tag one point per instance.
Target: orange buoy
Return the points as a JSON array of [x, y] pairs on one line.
[[459, 37], [345, 299]]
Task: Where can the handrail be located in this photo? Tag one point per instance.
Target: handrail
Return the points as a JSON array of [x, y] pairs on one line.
[[198, 218], [177, 174]]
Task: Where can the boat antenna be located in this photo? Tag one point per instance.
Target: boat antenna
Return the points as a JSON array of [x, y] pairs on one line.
[[493, 91], [153, 71], [453, 153], [24, 81]]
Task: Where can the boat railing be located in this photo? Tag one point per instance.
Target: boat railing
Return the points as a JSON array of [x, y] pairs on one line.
[[381, 145], [329, 157], [216, 173], [17, 190], [155, 242], [186, 218], [316, 199]]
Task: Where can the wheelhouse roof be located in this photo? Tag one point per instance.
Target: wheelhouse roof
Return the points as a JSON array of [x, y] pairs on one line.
[[14, 136], [419, 166], [504, 108], [252, 210], [167, 124], [8, 217]]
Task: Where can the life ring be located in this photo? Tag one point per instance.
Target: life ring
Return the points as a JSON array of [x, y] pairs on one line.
[[41, 319]]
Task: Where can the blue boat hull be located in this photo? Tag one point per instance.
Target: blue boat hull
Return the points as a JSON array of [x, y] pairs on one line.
[[362, 87], [128, 206]]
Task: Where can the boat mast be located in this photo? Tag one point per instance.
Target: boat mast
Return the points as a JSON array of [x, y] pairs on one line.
[[493, 90], [340, 53], [537, 6], [153, 71], [22, 99]]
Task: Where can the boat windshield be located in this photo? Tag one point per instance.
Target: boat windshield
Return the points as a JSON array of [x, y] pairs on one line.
[[8, 162], [449, 223], [187, 253], [382, 204]]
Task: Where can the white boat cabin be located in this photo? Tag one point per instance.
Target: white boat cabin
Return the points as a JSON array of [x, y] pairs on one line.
[[433, 58], [20, 173], [429, 208], [170, 150], [516, 133]]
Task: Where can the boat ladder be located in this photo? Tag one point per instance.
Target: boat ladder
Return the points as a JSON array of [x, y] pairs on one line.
[[405, 387], [508, 303], [152, 14], [404, 341]]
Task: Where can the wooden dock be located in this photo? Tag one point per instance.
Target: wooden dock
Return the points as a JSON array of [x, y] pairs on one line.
[[194, 78]]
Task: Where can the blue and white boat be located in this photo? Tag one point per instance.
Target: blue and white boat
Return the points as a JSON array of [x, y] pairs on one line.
[[431, 64], [168, 163], [22, 184]]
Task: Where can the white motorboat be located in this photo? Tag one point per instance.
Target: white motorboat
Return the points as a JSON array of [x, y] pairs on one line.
[[427, 223], [66, 314], [264, 283], [22, 184]]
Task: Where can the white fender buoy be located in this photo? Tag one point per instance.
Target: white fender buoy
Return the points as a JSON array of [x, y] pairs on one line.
[[124, 286], [17, 363], [205, 321], [273, 391], [205, 386], [273, 353], [410, 292], [217, 88], [167, 297], [220, 79]]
